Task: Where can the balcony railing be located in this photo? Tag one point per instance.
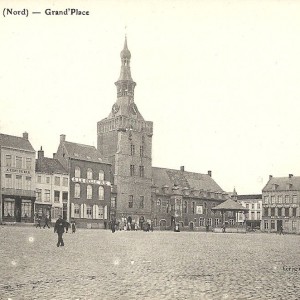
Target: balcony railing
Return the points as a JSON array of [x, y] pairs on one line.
[[17, 192]]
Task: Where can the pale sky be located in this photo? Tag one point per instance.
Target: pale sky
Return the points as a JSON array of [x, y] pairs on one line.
[[219, 79]]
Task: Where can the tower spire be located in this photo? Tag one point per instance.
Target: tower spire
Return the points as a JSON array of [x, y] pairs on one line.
[[125, 85]]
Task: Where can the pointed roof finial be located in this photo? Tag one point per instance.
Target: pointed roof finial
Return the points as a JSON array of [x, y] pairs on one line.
[[125, 53]]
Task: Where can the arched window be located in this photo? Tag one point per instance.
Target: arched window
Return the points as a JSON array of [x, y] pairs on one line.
[[89, 173], [101, 175], [77, 172], [185, 207], [89, 192], [101, 193], [77, 190]]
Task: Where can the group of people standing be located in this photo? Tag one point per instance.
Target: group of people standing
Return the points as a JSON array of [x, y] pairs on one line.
[[125, 225]]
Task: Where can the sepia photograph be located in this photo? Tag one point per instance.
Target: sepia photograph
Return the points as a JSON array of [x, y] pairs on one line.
[[149, 150]]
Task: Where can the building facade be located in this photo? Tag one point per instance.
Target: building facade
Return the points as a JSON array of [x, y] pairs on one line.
[[17, 192], [254, 216], [52, 188], [125, 139], [89, 183], [281, 199], [185, 198]]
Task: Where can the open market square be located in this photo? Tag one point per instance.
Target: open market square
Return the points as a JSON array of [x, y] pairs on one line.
[[99, 264]]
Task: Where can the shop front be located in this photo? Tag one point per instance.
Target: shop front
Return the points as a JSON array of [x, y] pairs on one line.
[[17, 209]]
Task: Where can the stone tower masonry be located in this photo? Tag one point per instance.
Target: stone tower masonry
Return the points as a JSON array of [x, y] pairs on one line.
[[125, 139]]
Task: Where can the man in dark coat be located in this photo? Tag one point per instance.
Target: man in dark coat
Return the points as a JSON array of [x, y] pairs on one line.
[[60, 229]]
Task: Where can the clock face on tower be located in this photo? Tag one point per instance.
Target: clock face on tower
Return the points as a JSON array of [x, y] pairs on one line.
[[115, 108]]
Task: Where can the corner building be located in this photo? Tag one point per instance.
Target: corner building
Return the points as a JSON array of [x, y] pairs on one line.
[[138, 190], [125, 139]]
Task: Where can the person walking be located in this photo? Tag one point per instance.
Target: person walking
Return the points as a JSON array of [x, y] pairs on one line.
[[280, 230], [46, 222], [38, 222], [59, 228], [73, 227]]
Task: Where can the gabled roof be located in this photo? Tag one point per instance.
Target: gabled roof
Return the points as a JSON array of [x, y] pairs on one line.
[[282, 182], [49, 166], [83, 152], [11, 141], [230, 205], [197, 181]]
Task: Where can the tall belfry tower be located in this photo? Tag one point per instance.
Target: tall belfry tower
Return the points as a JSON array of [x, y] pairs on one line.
[[125, 139]]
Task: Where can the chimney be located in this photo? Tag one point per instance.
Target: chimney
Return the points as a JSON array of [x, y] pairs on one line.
[[270, 177], [62, 137], [209, 173], [182, 168], [54, 155], [290, 175], [25, 135], [41, 153]]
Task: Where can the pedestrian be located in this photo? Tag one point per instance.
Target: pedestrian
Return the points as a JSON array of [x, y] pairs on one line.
[[207, 227], [38, 222], [280, 230], [59, 228], [223, 228], [73, 227], [113, 225], [67, 226], [46, 222]]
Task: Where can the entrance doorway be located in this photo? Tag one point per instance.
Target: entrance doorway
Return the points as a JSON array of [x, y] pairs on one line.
[[279, 224], [18, 207], [191, 226]]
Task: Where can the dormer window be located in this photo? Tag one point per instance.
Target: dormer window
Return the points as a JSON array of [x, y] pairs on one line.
[[165, 189], [274, 186], [289, 186]]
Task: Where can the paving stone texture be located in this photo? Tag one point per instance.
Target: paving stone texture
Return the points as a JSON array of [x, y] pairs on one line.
[[98, 264]]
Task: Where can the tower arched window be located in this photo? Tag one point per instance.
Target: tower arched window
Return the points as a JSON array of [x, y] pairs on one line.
[[77, 172], [77, 190], [185, 207], [101, 175], [89, 192], [89, 173], [101, 193]]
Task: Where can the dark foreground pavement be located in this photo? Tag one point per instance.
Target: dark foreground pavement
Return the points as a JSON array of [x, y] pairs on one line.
[[96, 264]]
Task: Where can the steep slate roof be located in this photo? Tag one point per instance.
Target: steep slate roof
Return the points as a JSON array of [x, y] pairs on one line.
[[197, 181], [282, 182], [249, 197], [230, 205], [83, 152], [49, 166], [11, 141]]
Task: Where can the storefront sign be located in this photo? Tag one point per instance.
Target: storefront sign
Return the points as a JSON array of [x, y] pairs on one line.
[[90, 181], [10, 170]]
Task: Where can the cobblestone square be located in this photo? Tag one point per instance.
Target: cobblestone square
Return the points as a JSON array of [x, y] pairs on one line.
[[96, 264]]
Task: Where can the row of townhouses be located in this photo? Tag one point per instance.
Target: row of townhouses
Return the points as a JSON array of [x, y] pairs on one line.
[[117, 180]]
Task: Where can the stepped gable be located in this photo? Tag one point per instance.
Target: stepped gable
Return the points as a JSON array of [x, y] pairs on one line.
[[49, 166], [15, 142]]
